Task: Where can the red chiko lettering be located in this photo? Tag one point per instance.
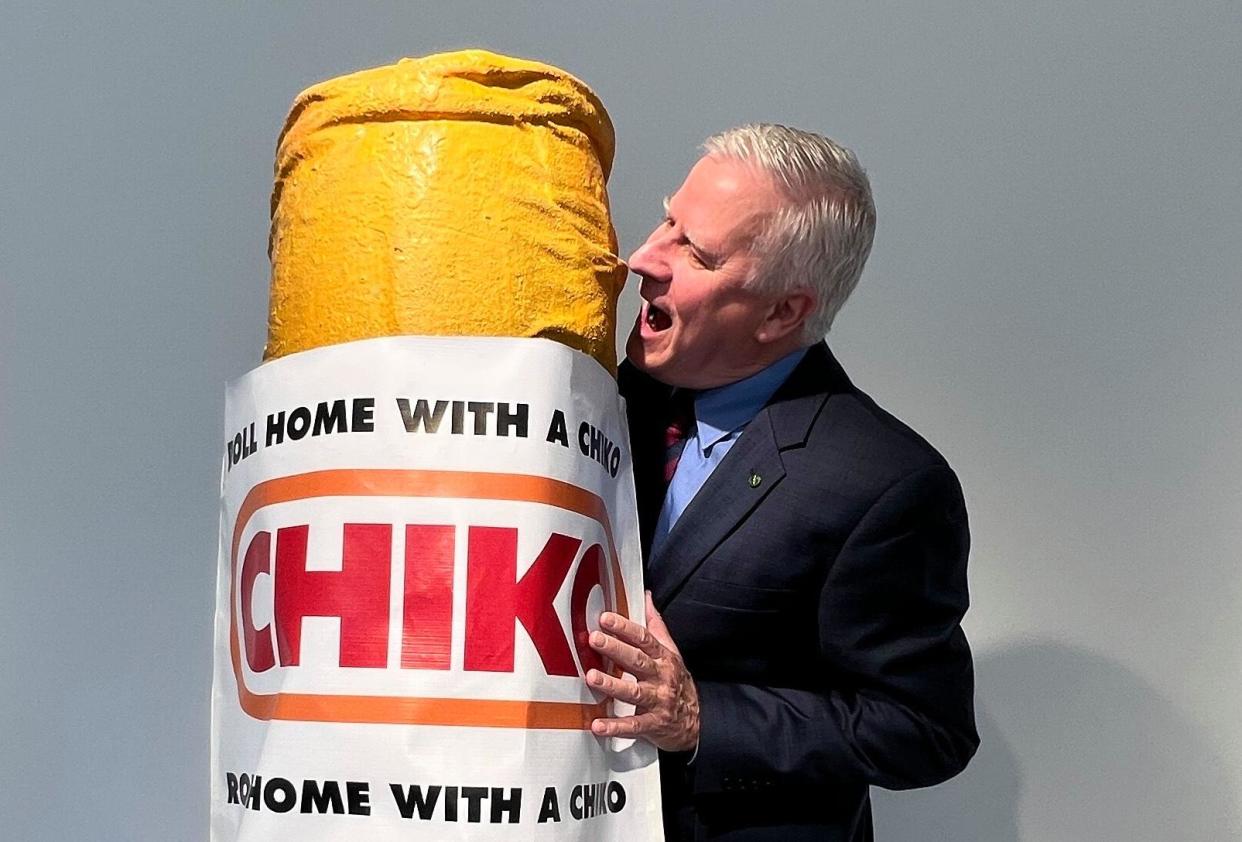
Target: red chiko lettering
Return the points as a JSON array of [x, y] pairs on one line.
[[258, 641], [427, 627], [497, 601], [494, 600], [358, 594]]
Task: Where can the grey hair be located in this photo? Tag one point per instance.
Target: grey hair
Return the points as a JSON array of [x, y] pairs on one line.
[[820, 238]]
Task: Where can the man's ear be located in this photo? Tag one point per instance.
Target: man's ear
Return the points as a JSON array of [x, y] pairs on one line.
[[786, 316]]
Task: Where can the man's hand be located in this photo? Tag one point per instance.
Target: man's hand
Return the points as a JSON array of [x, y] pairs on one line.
[[664, 694]]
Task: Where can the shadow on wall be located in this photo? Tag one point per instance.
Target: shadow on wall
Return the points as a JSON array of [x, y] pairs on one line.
[[1074, 747]]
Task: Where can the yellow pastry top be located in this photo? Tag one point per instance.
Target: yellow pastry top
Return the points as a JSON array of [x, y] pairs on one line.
[[458, 194]]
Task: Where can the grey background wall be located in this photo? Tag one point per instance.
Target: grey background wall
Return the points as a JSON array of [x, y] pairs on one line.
[[1052, 299]]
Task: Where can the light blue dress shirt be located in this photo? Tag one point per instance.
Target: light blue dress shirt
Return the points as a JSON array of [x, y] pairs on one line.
[[720, 416]]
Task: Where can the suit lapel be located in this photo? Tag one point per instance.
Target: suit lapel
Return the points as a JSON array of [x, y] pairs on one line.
[[730, 494]]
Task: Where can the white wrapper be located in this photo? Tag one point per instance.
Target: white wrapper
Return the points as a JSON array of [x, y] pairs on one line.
[[415, 535]]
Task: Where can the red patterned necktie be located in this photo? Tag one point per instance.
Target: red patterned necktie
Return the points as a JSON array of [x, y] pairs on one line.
[[680, 424]]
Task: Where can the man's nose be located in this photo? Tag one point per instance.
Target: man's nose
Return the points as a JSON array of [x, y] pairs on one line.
[[638, 259], [648, 259]]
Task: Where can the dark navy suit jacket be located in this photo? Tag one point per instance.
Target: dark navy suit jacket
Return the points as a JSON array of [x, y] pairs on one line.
[[815, 587]]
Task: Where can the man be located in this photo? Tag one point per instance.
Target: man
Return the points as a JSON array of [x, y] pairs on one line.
[[807, 561]]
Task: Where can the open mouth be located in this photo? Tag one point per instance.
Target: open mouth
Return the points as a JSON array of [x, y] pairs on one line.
[[657, 319]]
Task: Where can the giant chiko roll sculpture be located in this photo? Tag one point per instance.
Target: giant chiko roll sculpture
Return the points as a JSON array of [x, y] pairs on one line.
[[425, 504], [457, 195]]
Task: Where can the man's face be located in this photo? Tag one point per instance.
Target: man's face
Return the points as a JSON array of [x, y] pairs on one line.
[[698, 323]]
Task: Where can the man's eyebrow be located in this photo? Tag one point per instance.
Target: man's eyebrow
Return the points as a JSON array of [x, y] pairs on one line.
[[703, 253]]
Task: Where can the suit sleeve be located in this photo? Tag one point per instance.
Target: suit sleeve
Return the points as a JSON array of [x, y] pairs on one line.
[[896, 706]]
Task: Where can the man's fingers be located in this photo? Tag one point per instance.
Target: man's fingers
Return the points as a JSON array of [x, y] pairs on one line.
[[623, 655], [624, 726], [618, 688], [631, 633]]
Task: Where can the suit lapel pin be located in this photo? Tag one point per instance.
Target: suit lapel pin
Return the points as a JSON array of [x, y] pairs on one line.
[[755, 479]]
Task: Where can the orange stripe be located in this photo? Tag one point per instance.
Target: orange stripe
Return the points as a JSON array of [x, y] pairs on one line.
[[383, 482], [488, 713]]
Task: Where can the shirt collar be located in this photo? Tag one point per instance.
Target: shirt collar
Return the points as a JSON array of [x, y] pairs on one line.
[[726, 409]]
